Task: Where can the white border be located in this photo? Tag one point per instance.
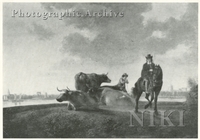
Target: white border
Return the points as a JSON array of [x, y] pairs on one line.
[[86, 1]]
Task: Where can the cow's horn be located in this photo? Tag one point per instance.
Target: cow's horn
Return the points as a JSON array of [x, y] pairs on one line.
[[107, 73], [61, 90], [68, 88], [58, 90]]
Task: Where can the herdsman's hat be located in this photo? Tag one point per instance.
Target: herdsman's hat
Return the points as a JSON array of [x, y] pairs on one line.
[[149, 56], [125, 75]]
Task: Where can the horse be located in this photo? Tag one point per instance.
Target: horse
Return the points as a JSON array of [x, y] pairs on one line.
[[157, 76]]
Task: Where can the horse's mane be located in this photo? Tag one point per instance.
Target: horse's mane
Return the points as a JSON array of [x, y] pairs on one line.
[[157, 65], [161, 72]]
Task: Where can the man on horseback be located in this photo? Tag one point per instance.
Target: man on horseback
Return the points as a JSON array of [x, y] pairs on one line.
[[147, 74]]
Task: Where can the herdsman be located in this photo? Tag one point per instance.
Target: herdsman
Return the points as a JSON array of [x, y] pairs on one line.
[[122, 82], [147, 73]]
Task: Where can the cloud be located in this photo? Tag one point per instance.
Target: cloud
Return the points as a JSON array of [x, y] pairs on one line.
[[77, 44], [36, 48], [158, 34], [178, 65], [122, 41], [160, 12], [110, 39], [41, 32], [131, 11], [177, 55], [176, 31]]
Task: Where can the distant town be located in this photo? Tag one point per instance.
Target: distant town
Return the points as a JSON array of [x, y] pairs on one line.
[[38, 95]]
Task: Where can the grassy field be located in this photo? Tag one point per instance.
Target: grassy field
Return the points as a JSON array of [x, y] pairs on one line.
[[55, 121]]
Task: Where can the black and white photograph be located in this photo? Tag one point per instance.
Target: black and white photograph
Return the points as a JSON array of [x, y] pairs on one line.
[[100, 69]]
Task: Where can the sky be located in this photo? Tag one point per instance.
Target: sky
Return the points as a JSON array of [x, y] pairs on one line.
[[42, 53]]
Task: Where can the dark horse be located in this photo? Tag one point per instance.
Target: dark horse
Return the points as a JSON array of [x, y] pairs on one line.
[[157, 77]]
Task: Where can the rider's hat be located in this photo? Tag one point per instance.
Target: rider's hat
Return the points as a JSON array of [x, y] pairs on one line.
[[149, 56], [125, 75]]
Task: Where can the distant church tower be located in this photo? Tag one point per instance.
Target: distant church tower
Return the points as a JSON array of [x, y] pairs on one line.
[[8, 92], [172, 90]]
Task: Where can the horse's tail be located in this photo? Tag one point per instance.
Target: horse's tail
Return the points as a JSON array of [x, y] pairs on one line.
[[137, 89], [134, 90]]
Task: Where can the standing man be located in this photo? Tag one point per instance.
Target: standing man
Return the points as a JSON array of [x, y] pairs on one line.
[[122, 82], [147, 72]]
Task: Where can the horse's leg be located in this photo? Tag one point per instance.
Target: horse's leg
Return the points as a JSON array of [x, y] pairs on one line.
[[147, 97], [152, 98], [155, 103], [150, 101], [157, 91], [136, 104], [137, 100]]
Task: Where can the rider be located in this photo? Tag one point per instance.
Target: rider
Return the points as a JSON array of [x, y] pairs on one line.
[[122, 82], [146, 73]]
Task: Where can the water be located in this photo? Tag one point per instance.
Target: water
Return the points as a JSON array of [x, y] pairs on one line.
[[168, 99], [29, 102], [39, 101]]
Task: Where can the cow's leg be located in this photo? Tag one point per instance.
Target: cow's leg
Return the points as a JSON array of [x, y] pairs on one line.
[[102, 99], [71, 107], [93, 94], [67, 106]]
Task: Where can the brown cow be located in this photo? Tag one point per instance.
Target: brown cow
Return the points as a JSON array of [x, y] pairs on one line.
[[84, 81]]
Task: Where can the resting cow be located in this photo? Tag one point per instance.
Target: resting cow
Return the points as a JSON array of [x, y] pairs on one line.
[[107, 96], [115, 97], [76, 98]]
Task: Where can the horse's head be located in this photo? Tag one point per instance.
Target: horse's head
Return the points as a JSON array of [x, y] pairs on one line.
[[157, 73]]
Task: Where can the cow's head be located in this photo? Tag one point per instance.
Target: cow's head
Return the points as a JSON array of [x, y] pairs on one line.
[[64, 96], [105, 78]]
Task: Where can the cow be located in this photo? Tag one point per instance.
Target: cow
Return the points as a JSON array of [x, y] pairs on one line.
[[113, 97], [84, 81], [76, 99]]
